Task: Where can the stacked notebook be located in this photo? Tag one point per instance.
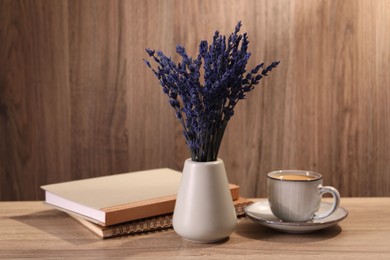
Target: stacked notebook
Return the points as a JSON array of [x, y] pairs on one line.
[[124, 204]]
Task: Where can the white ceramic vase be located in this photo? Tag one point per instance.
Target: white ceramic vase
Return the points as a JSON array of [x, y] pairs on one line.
[[204, 210]]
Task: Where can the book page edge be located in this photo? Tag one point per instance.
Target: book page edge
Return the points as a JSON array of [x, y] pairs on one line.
[[71, 206]]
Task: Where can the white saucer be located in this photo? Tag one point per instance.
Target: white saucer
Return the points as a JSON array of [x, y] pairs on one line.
[[260, 212]]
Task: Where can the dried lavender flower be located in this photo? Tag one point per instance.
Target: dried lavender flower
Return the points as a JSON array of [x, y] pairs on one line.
[[205, 109]]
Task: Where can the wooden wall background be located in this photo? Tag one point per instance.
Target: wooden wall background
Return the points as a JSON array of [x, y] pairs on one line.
[[76, 100]]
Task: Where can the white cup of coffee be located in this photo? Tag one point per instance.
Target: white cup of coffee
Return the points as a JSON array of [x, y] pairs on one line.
[[295, 196]]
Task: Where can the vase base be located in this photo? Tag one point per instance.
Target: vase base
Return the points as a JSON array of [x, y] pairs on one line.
[[220, 240]]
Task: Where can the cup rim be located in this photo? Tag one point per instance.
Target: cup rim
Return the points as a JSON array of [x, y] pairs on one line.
[[317, 176]]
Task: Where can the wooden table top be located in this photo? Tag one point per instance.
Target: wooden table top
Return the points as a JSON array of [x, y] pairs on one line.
[[34, 230]]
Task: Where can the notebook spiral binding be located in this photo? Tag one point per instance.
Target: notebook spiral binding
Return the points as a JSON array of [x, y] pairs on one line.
[[159, 223], [141, 226]]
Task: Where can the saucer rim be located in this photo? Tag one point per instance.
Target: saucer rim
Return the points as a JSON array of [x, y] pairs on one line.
[[278, 222]]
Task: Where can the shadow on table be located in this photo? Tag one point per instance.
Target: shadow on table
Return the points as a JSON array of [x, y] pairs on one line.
[[249, 229], [58, 224]]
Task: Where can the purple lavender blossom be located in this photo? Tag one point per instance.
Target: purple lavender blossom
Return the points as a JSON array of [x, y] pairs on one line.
[[205, 109]]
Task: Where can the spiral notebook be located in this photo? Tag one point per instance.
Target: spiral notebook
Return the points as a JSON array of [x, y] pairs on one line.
[[146, 225]]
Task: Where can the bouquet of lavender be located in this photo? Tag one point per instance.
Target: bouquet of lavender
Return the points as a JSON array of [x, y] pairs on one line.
[[205, 109]]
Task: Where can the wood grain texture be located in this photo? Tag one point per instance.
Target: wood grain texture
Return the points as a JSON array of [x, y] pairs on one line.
[[76, 100], [33, 230]]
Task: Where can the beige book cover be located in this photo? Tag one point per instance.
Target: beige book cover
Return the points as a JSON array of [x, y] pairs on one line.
[[119, 198]]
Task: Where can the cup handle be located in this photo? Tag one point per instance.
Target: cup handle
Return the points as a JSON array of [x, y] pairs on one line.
[[336, 201]]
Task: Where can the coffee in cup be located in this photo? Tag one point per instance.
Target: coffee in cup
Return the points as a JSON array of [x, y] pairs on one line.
[[295, 195]]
